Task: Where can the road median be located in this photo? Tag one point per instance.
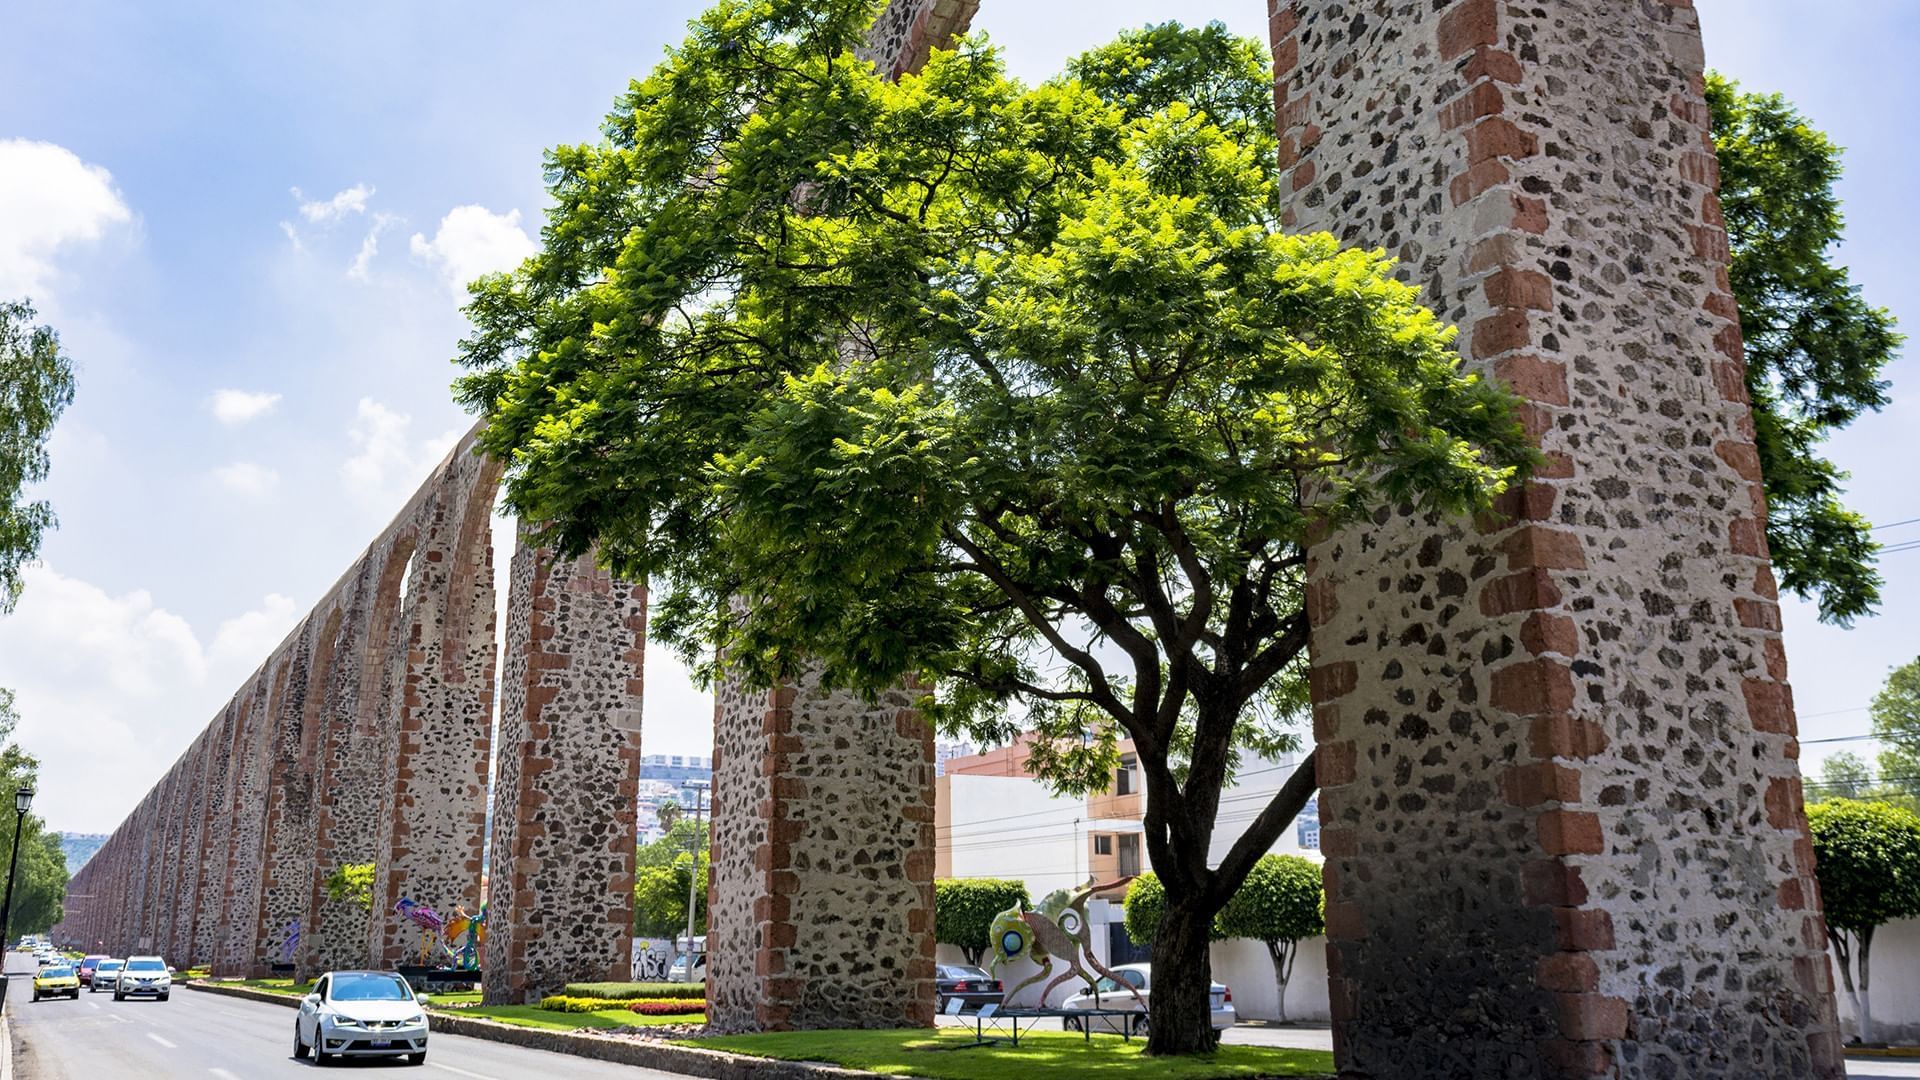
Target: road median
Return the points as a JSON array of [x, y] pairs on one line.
[[642, 1052]]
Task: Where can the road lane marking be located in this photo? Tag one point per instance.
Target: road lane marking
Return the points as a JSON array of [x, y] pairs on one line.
[[161, 1041], [93, 1004], [459, 1072], [223, 1074]]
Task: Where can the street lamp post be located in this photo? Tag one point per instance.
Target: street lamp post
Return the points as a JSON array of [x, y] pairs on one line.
[[22, 802]]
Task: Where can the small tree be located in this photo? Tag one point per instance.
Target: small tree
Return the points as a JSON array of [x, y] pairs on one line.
[[1281, 903], [963, 911], [1867, 859], [352, 883], [660, 900]]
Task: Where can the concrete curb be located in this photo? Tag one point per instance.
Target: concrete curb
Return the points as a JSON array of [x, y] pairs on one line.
[[645, 1053]]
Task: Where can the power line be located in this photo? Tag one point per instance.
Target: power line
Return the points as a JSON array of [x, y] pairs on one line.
[[1897, 524]]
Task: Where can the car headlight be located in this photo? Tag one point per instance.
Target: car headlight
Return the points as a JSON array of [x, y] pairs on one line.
[[343, 1021], [416, 1018]]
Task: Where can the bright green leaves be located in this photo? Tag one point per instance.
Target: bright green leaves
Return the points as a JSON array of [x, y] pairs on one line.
[[1281, 900], [36, 386], [1816, 349], [1023, 388], [1867, 858]]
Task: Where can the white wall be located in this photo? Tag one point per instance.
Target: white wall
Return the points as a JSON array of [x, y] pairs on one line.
[[1895, 985], [1246, 969]]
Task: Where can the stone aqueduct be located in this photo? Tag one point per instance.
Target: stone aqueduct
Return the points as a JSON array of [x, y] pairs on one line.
[[1560, 791]]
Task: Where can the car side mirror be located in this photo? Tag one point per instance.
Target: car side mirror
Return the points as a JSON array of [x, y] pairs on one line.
[[313, 999]]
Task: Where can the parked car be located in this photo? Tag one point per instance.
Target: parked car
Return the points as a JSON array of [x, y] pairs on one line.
[[678, 972], [1139, 977], [105, 975], [972, 986], [56, 980], [361, 1014], [85, 969], [143, 975]]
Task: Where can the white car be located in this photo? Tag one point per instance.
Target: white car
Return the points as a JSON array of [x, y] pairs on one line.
[[361, 1014], [142, 975], [1139, 977], [106, 975]]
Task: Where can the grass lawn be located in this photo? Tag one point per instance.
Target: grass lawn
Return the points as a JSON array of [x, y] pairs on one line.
[[271, 986], [946, 1054], [535, 1016]]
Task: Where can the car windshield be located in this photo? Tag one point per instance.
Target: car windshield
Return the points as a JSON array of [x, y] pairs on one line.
[[1134, 979], [145, 965], [954, 971], [369, 988], [108, 965], [58, 972]]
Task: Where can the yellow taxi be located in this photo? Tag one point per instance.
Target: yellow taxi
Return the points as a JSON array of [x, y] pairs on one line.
[[57, 980]]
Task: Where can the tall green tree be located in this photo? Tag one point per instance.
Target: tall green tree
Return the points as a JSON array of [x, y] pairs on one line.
[[1021, 389], [963, 911], [1280, 905], [1896, 720], [1816, 350], [36, 385], [660, 900], [1867, 861], [40, 880]]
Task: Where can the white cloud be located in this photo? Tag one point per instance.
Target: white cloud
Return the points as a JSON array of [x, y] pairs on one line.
[[247, 479], [239, 406], [49, 200], [388, 462], [370, 246], [472, 241], [321, 211], [293, 236], [111, 688]]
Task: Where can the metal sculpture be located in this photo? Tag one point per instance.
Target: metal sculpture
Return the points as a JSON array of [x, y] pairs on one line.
[[432, 925], [1021, 931], [465, 954], [290, 942]]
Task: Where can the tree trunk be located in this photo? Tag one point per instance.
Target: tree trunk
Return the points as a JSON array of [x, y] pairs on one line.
[[1864, 1002], [1178, 1008], [972, 954], [1282, 953]]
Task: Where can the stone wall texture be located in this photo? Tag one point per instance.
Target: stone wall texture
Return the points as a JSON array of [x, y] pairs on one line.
[[562, 865], [1561, 803]]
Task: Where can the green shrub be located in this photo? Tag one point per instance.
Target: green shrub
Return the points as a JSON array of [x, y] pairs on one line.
[[562, 1003], [631, 991]]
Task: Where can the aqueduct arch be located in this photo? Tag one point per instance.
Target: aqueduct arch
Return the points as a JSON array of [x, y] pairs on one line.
[[1560, 799]]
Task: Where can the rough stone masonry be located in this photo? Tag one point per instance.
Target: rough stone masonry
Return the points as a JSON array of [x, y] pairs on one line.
[[1561, 801]]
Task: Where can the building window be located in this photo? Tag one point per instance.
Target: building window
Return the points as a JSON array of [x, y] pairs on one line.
[[1123, 780], [1103, 844]]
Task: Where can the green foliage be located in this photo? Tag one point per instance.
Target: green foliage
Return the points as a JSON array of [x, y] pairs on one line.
[[1816, 350], [963, 911], [634, 991], [1146, 901], [660, 900], [684, 836], [1281, 900], [1024, 389], [1896, 719], [352, 883], [1867, 859], [40, 879], [36, 386], [1041, 1055]]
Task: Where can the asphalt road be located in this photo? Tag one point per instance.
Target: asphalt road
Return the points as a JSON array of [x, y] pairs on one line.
[[201, 1035]]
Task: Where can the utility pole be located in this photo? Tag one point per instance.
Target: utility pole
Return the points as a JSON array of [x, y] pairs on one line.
[[700, 801]]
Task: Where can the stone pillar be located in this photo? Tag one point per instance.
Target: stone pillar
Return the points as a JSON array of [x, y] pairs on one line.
[[560, 906], [240, 897], [287, 860], [352, 744], [433, 822], [821, 890], [218, 834], [1560, 800], [192, 845]]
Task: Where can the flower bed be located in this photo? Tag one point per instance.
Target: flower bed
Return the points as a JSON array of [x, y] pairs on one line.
[[645, 1006]]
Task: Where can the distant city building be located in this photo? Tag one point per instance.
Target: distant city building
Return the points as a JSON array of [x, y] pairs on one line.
[[681, 779], [944, 752]]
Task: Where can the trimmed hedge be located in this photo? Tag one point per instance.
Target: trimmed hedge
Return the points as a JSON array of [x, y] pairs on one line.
[[632, 991], [562, 1003]]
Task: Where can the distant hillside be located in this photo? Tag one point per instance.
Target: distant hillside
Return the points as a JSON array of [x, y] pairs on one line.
[[79, 847]]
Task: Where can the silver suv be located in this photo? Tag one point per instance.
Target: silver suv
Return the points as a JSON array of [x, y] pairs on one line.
[[143, 975]]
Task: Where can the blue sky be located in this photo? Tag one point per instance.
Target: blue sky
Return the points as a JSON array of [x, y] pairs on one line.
[[277, 201]]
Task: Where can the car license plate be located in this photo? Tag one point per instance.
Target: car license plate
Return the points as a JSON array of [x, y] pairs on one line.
[[382, 1044]]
